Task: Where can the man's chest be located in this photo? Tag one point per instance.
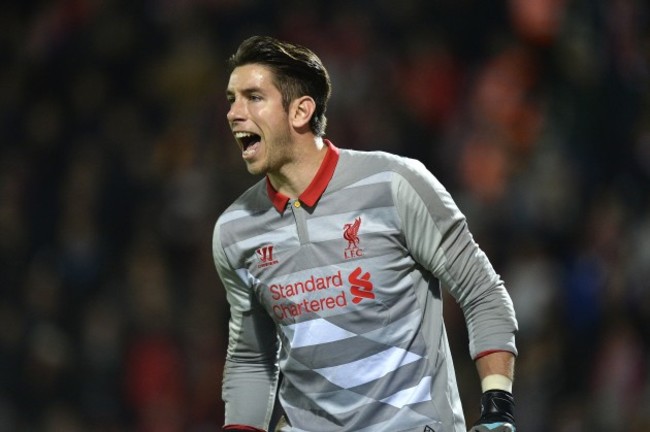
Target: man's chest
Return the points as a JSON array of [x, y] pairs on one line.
[[328, 263]]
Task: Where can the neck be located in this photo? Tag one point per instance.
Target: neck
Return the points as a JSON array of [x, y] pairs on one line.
[[294, 177]]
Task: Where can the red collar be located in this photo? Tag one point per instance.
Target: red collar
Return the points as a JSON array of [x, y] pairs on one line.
[[317, 186]]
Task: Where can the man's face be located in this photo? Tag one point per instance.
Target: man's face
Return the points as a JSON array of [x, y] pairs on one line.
[[257, 118]]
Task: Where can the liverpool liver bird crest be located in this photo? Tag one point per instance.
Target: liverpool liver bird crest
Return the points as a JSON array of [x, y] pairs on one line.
[[351, 233]]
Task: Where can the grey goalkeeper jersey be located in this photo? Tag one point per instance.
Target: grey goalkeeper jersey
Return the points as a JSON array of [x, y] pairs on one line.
[[335, 299]]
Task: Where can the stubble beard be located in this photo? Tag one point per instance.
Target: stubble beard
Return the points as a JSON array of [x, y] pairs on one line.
[[277, 155]]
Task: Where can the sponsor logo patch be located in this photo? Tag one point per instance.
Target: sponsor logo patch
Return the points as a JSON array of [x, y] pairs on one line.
[[265, 256], [361, 286], [315, 294]]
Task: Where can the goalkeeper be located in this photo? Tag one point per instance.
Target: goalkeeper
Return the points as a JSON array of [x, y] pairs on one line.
[[333, 265]]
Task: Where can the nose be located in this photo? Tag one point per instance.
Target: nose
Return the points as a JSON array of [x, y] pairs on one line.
[[236, 111]]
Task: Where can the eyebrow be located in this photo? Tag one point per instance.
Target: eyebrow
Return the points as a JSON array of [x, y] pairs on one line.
[[247, 91]]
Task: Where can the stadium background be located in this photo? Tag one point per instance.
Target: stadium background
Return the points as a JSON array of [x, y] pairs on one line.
[[116, 160]]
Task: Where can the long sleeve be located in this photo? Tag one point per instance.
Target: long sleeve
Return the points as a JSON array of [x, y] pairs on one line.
[[251, 372], [438, 238]]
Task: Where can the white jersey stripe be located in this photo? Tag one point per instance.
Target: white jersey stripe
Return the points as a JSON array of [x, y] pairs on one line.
[[315, 332], [368, 369], [285, 235], [419, 393], [234, 215], [381, 177]]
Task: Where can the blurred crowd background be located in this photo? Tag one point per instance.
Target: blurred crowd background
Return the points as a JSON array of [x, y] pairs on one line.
[[116, 160]]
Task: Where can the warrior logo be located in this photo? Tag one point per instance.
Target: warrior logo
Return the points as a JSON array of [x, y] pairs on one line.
[[265, 256], [351, 234], [361, 286]]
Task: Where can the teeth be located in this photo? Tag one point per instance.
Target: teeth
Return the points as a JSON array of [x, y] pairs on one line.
[[240, 135]]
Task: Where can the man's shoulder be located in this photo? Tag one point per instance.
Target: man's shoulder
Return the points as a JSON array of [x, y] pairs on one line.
[[364, 162], [252, 200]]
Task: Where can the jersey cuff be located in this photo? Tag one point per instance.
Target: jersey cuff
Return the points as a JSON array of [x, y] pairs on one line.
[[241, 428], [488, 352]]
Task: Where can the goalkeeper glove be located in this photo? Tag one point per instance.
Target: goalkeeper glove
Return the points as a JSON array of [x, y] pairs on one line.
[[496, 412]]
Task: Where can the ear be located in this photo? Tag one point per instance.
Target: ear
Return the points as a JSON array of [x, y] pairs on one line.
[[302, 109]]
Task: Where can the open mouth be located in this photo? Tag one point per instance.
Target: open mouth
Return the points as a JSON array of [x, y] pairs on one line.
[[248, 141]]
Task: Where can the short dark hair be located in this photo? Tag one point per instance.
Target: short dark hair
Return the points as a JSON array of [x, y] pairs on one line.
[[297, 72]]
